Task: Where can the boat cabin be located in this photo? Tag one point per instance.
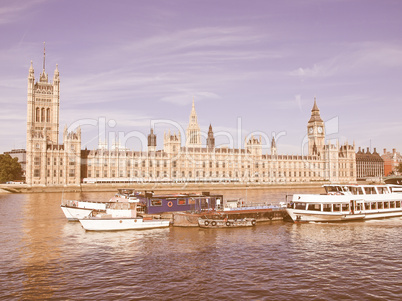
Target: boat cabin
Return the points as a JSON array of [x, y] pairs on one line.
[[349, 199], [357, 190], [159, 203]]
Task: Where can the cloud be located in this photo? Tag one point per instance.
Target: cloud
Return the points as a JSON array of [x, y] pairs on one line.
[[319, 70], [11, 11], [363, 58], [186, 97]]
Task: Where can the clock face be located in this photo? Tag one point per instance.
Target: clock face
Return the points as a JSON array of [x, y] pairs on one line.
[[310, 130], [320, 129]]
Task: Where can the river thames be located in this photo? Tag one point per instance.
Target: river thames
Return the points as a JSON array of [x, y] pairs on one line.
[[45, 257]]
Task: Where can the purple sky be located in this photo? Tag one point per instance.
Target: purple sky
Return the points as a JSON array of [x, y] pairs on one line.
[[261, 61]]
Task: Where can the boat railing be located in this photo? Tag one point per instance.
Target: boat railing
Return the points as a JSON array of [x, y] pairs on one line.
[[253, 206], [70, 203]]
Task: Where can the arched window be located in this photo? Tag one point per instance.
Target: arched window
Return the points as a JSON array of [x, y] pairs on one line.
[[47, 115], [37, 113], [42, 115]]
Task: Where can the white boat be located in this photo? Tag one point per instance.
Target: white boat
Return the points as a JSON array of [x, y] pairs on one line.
[[347, 202], [75, 210], [120, 216]]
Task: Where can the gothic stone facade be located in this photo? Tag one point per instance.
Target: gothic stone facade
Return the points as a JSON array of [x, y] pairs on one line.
[[197, 163], [50, 163]]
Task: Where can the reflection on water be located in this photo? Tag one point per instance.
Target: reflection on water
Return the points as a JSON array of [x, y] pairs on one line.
[[45, 257]]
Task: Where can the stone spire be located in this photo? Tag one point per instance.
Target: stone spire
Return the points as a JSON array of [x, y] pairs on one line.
[[152, 141], [273, 147], [43, 76], [31, 69], [315, 113], [210, 139], [44, 56], [193, 138], [56, 71]]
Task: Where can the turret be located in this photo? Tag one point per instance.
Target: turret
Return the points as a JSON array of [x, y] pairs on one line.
[[152, 141], [171, 143], [273, 147], [253, 145], [210, 139]]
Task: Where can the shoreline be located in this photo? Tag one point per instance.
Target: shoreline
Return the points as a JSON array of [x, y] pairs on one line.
[[23, 188]]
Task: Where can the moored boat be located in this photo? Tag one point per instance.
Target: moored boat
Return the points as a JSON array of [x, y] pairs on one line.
[[226, 223], [179, 202], [346, 202], [393, 180], [75, 210], [235, 210], [120, 216]]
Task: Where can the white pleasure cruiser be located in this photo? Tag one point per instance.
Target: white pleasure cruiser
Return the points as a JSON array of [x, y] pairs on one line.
[[347, 202], [75, 210], [120, 216]]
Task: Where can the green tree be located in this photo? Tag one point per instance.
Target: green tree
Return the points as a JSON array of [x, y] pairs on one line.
[[10, 169]]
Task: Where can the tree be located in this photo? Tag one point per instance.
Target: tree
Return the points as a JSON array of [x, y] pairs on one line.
[[399, 168], [10, 169]]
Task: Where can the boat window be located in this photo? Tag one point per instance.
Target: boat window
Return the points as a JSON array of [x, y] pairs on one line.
[[386, 205], [373, 206], [355, 190], [337, 207], [181, 202], [191, 201], [301, 206], [392, 204], [379, 205], [327, 207], [156, 202], [398, 204], [345, 207], [381, 190], [333, 189], [369, 190], [359, 206], [315, 207], [367, 206]]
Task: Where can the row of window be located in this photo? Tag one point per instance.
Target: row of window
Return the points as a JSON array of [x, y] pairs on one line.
[[179, 202], [204, 164], [347, 207], [42, 115], [71, 173], [211, 165], [190, 174]]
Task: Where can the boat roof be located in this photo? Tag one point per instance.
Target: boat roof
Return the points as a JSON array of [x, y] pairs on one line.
[[357, 185], [151, 194], [182, 195]]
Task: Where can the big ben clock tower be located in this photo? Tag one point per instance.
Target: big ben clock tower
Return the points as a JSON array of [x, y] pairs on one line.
[[316, 131]]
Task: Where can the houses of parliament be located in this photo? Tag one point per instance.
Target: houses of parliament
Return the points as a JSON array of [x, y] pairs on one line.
[[182, 159]]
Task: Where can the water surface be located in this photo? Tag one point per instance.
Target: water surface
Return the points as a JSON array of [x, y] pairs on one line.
[[45, 257]]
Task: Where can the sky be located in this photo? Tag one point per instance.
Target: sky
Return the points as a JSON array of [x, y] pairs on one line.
[[252, 68]]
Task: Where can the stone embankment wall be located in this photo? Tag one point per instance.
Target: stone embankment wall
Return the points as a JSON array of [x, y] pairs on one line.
[[23, 188]]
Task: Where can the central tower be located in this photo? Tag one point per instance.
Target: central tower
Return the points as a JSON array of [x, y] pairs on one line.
[[193, 136]]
